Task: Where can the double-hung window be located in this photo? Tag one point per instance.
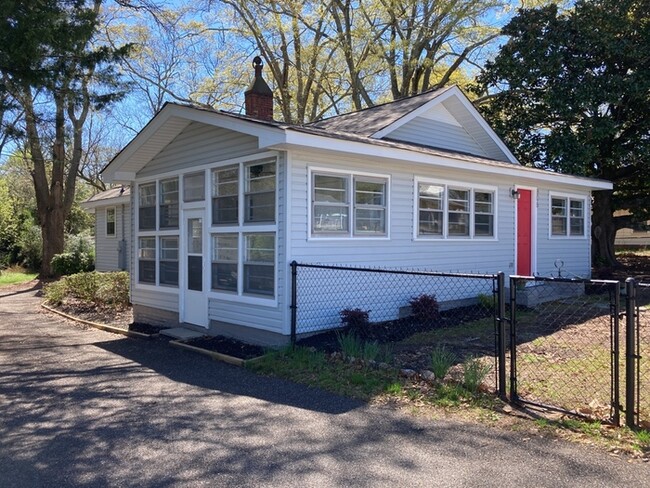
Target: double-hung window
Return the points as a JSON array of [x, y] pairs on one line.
[[225, 195], [454, 211], [194, 187], [243, 237], [147, 260], [147, 206], [169, 204], [168, 264], [567, 216], [110, 221], [347, 205]]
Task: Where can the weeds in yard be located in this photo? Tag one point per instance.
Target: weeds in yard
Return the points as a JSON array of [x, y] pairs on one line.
[[589, 428], [643, 438], [441, 360], [353, 347], [475, 372]]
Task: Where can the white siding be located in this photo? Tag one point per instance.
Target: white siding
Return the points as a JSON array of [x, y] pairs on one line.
[[434, 133], [197, 145], [107, 247], [161, 298]]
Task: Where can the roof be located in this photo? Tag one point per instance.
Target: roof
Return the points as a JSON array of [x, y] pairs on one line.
[[356, 133], [373, 119], [112, 196]]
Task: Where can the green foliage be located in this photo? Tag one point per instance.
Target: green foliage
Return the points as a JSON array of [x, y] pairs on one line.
[[353, 347], [425, 308], [441, 360], [30, 244], [79, 258], [475, 372], [98, 289], [569, 92], [486, 301], [13, 276]]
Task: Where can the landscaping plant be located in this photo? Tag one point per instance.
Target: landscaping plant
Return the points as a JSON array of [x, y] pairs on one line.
[[474, 373], [441, 360], [357, 320], [425, 309]]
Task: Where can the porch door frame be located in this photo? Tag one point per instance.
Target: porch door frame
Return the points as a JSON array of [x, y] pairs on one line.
[[193, 304], [522, 247]]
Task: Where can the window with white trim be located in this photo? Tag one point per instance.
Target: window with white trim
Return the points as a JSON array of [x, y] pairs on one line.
[[147, 260], [225, 252], [567, 216], [244, 229], [168, 263], [194, 187], [147, 206], [453, 211], [110, 221], [336, 199], [169, 209], [225, 195]]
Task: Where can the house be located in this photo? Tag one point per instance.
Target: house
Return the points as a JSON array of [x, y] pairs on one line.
[[636, 236], [112, 209], [221, 203]]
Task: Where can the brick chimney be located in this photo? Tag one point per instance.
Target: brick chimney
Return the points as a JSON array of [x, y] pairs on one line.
[[259, 97]]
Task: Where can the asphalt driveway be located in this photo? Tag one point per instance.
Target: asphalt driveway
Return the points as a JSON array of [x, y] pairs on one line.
[[88, 408]]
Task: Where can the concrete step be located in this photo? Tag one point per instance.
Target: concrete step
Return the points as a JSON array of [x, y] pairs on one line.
[[181, 333]]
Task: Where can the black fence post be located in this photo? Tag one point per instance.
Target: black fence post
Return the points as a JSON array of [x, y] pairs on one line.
[[630, 353], [501, 320], [513, 340], [294, 300]]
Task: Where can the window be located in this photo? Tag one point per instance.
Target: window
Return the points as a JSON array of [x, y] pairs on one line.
[[147, 260], [225, 195], [168, 265], [194, 187], [259, 264], [110, 221], [225, 252], [454, 212], [336, 197], [567, 216], [483, 214], [260, 192], [169, 204], [147, 206]]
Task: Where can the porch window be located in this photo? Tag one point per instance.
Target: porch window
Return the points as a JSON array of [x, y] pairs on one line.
[[225, 195], [259, 264], [567, 217], [447, 211], [259, 198], [169, 204], [168, 265], [147, 260], [194, 187], [110, 222], [147, 206], [335, 198], [225, 252]]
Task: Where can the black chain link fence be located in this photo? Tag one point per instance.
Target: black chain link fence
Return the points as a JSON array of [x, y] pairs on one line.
[[564, 351], [643, 354], [412, 312]]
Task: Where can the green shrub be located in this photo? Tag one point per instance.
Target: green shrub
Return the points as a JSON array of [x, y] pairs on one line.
[[425, 308], [474, 373], [72, 262], [99, 289], [31, 247], [441, 360]]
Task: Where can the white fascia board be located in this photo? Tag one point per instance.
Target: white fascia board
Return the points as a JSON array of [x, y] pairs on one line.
[[121, 177], [108, 202], [295, 139], [411, 115]]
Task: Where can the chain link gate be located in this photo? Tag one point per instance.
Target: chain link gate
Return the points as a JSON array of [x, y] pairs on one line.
[[637, 347], [564, 345]]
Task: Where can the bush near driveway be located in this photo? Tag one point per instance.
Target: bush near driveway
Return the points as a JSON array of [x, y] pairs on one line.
[[98, 289]]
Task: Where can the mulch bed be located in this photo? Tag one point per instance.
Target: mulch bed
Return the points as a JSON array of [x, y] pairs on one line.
[[228, 346]]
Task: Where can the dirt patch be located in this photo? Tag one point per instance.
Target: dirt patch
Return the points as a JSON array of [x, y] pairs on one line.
[[227, 346]]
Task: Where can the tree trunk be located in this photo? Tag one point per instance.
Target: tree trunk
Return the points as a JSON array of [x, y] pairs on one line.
[[52, 230], [603, 230]]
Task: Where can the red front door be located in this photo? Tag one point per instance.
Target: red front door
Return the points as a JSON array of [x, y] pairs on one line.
[[524, 233]]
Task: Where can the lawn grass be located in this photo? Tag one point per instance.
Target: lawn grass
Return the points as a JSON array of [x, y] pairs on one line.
[[15, 275]]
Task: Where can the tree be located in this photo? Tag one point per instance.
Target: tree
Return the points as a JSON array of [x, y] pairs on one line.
[[53, 76], [571, 92]]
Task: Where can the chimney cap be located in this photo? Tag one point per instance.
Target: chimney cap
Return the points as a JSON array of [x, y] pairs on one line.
[[258, 85]]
